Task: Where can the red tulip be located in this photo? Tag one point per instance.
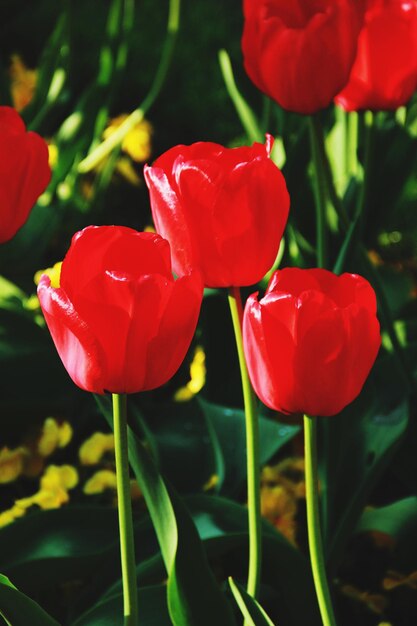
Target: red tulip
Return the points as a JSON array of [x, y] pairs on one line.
[[119, 320], [300, 52], [223, 210], [384, 75], [311, 341], [24, 172]]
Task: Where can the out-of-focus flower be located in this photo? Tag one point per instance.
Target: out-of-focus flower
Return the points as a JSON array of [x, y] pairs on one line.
[[100, 481], [54, 274], [54, 486], [197, 377], [24, 172], [394, 579], [223, 210], [95, 447], [10, 515], [137, 142], [11, 463], [54, 435], [311, 341], [300, 53], [22, 82], [282, 486], [384, 74], [375, 602]]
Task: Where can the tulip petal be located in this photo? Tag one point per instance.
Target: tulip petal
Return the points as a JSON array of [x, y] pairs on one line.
[[250, 214], [113, 248], [74, 339], [24, 172], [178, 321], [269, 351]]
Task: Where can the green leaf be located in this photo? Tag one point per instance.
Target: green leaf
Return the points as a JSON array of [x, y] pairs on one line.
[[286, 574], [354, 448], [250, 608], [19, 610], [229, 424], [57, 545], [194, 598], [399, 520], [152, 610], [28, 357]]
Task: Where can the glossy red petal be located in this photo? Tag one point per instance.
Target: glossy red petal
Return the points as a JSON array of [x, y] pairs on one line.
[[250, 215], [178, 321], [300, 53], [74, 340], [116, 249], [24, 172], [384, 75], [269, 352]]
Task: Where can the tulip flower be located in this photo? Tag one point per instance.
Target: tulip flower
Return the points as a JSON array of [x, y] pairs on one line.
[[119, 320], [384, 74], [300, 53], [311, 341], [223, 210], [24, 172]]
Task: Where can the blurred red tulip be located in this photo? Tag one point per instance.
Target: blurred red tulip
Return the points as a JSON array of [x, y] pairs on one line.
[[24, 172], [384, 75], [119, 320], [311, 341], [300, 52], [223, 210]]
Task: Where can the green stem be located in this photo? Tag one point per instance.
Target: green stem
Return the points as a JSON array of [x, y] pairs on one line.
[[313, 523], [115, 139], [319, 190], [352, 143], [252, 451], [127, 545]]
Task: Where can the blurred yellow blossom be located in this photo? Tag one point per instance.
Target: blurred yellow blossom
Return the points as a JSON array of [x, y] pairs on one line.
[[52, 155], [211, 483], [375, 602], [282, 485], [93, 449], [54, 486], [53, 436], [197, 377], [11, 463], [54, 274], [22, 82], [127, 170], [137, 142], [395, 579], [7, 517], [100, 481]]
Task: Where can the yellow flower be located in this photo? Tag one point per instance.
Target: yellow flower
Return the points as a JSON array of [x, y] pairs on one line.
[[93, 449], [137, 142], [100, 481], [280, 508], [52, 155], [197, 377], [7, 517], [53, 436], [211, 483], [54, 274], [54, 486], [59, 476], [22, 83], [11, 464]]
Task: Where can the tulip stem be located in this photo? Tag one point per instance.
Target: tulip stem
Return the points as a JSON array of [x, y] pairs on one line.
[[252, 451], [127, 545], [319, 190], [313, 522]]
